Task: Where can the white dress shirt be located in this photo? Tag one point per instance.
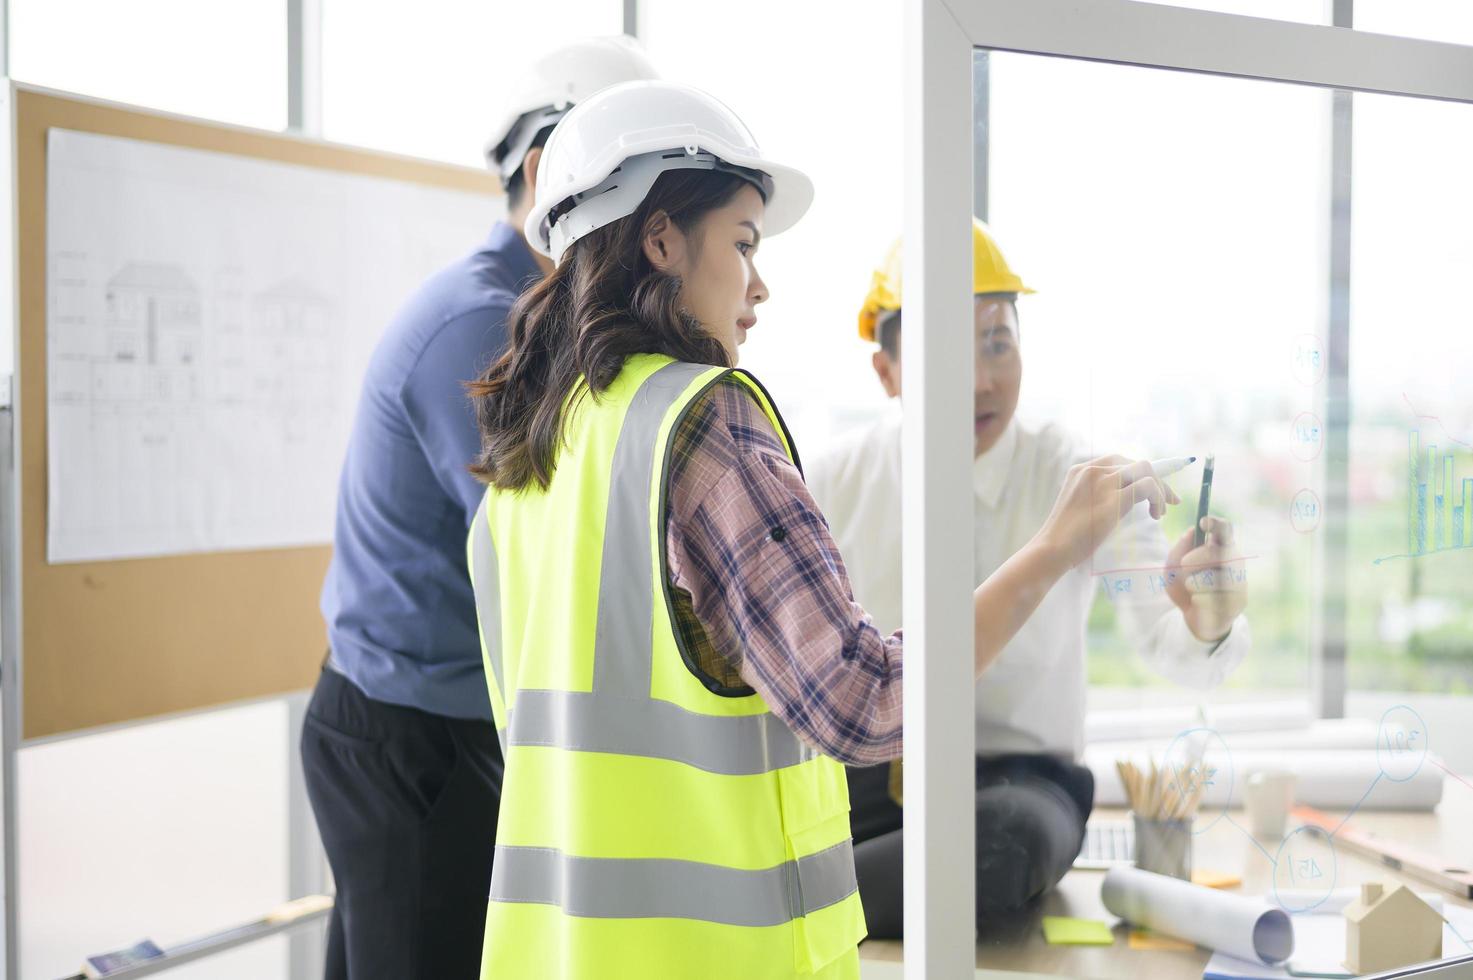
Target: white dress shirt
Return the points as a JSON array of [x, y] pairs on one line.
[[1032, 697]]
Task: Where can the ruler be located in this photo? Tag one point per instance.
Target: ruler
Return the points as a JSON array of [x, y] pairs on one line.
[[1398, 857]]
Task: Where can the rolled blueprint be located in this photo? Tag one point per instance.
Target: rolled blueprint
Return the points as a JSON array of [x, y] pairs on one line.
[[1247, 928]]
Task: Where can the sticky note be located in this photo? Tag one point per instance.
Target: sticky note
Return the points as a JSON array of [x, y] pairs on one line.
[[1061, 930], [1146, 939], [1215, 879]]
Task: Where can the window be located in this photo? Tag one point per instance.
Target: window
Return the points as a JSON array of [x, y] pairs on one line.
[[832, 109], [431, 81], [222, 61], [1175, 228], [1410, 601]]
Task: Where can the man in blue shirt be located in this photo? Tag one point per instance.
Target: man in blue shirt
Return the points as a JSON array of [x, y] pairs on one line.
[[400, 754]]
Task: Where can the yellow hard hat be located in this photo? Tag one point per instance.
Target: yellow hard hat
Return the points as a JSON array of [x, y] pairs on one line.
[[990, 274]]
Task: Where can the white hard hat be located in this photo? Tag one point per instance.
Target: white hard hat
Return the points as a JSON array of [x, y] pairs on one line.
[[554, 83], [607, 152]]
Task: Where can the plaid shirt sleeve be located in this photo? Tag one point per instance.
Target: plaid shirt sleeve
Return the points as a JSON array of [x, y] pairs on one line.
[[760, 592]]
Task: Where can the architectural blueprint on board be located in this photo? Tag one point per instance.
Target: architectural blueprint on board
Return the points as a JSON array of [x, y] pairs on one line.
[[209, 318]]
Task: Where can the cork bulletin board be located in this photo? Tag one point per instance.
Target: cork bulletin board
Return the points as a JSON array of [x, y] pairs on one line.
[[108, 642]]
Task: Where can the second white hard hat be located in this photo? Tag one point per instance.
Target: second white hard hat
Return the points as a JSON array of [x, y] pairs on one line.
[[555, 82], [606, 153]]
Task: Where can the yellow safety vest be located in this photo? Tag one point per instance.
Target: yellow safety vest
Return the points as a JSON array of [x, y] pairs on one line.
[[650, 827]]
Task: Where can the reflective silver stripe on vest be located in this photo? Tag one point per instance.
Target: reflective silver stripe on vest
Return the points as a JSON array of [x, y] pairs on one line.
[[486, 580], [648, 888], [654, 729], [625, 638]]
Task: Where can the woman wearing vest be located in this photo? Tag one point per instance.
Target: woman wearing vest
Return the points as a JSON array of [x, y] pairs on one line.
[[676, 664]]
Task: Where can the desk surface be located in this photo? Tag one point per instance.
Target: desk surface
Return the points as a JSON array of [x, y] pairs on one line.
[[1018, 944]]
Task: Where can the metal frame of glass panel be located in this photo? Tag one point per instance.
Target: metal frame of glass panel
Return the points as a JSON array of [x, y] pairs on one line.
[[304, 67], [939, 39]]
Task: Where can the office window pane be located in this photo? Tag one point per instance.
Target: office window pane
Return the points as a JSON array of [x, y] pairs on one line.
[[1174, 226], [215, 60], [429, 80], [1411, 506], [833, 110]]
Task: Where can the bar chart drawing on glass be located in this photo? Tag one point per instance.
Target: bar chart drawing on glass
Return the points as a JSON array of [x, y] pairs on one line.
[[1439, 507]]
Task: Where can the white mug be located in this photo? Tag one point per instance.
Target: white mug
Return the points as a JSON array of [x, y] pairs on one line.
[[1269, 796]]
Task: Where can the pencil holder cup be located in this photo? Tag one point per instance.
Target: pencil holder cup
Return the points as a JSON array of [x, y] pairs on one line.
[[1164, 846]]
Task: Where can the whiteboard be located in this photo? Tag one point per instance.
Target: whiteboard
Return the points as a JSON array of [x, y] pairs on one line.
[[209, 320]]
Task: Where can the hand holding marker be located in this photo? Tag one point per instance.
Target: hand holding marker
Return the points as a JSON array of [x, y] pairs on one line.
[[1165, 467], [1204, 573], [1097, 494]]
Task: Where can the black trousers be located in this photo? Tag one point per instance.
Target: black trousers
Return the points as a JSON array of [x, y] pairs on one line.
[[406, 803], [1031, 811]]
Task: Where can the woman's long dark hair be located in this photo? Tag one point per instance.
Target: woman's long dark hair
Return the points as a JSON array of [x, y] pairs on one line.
[[604, 302]]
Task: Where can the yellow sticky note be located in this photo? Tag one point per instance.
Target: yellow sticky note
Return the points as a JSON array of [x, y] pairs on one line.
[[1060, 930], [1145, 939], [1215, 879]]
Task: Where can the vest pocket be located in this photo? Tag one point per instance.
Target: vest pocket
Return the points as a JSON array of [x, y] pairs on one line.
[[828, 921], [833, 922]]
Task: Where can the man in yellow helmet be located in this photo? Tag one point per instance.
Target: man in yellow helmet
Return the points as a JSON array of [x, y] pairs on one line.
[[1032, 796]]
